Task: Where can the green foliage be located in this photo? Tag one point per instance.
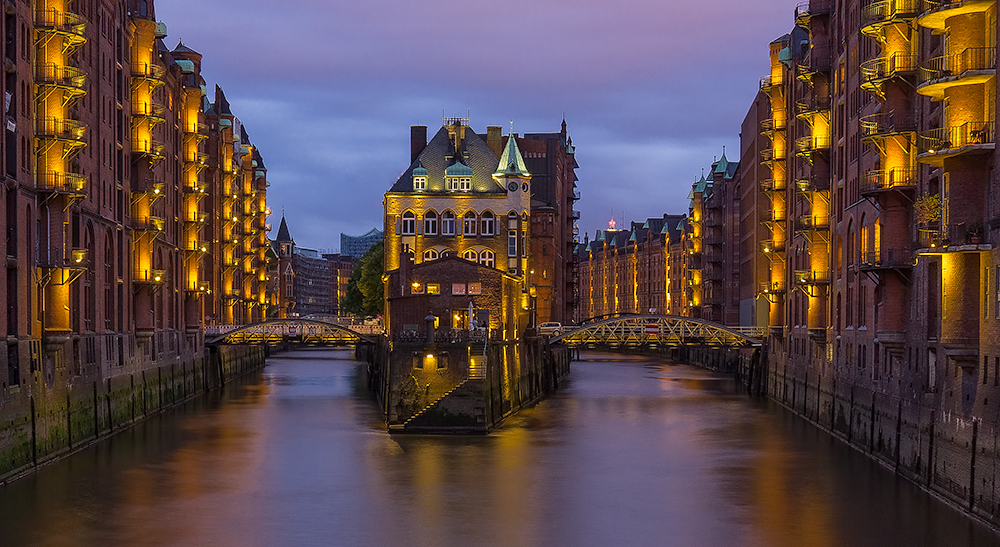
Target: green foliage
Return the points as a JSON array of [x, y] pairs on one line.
[[928, 209], [365, 292]]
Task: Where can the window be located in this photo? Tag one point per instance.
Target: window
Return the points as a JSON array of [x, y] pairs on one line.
[[431, 254], [489, 226], [452, 183], [420, 183], [433, 288], [465, 184], [469, 224], [430, 223], [488, 258], [512, 243], [409, 226], [470, 255], [448, 223]]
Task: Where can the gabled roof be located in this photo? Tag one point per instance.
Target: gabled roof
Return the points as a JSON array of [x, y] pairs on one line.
[[182, 49], [437, 156]]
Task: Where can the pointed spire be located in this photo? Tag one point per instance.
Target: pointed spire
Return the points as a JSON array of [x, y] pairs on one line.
[[511, 162], [283, 235]]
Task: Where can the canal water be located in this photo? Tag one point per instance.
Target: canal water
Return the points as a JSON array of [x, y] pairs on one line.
[[631, 451]]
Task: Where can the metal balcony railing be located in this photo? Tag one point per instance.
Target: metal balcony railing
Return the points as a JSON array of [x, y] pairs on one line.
[[61, 183], [873, 182], [61, 76], [955, 65], [811, 277], [947, 138], [149, 224], [767, 83], [150, 277], [885, 123], [877, 14], [809, 223], [148, 71], [815, 143], [813, 105], [63, 22], [772, 246], [877, 70], [62, 129], [772, 287], [958, 234], [771, 215], [804, 11], [886, 259], [151, 110], [196, 217]]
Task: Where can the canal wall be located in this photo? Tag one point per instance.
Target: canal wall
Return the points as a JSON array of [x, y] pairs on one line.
[[461, 388], [54, 414]]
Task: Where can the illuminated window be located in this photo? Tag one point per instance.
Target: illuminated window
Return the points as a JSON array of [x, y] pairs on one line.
[[433, 288], [416, 288], [488, 258], [431, 254], [470, 255], [489, 224], [419, 183], [469, 224], [448, 223], [409, 226], [430, 223], [465, 184], [452, 183]]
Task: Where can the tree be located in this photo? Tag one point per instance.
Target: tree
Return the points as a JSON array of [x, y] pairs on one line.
[[365, 292]]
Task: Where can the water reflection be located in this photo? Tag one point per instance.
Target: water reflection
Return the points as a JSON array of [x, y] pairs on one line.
[[630, 452]]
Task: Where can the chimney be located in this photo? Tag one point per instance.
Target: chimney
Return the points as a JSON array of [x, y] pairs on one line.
[[494, 139], [418, 141]]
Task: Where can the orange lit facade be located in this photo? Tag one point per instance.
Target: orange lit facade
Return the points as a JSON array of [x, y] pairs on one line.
[[112, 227]]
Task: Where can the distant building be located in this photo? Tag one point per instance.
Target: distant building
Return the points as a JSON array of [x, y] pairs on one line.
[[310, 282], [357, 246]]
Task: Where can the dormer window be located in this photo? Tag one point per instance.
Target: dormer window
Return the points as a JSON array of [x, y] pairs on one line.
[[458, 177], [465, 184], [420, 183]]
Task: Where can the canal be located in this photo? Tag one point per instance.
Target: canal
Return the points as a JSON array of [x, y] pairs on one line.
[[631, 451]]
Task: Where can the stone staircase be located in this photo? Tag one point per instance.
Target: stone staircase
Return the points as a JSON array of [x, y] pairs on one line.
[[431, 405]]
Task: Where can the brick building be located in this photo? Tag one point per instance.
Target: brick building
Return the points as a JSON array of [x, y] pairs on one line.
[[112, 228], [311, 283]]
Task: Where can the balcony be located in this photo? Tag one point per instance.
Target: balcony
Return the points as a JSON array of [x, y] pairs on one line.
[[973, 65], [805, 11], [72, 184], [877, 182], [885, 124], [875, 72], [811, 278], [149, 72], [70, 26], [152, 112], [196, 158], [773, 287], [807, 146], [877, 15], [70, 132], [770, 83], [806, 186], [149, 224], [812, 106], [808, 224], [959, 237], [816, 60], [888, 259], [770, 246], [768, 156], [154, 188], [772, 215], [938, 144], [63, 270], [770, 125], [67, 78], [150, 277], [770, 185], [936, 12], [198, 289], [194, 246], [196, 217], [149, 149]]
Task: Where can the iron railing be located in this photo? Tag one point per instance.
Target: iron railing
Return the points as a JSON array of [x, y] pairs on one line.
[[966, 134], [969, 59]]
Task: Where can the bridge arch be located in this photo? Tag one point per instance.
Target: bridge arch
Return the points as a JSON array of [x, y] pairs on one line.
[[301, 331], [661, 330]]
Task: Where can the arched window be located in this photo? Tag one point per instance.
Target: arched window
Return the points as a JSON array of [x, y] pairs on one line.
[[469, 224], [512, 234], [488, 258], [430, 223], [489, 224], [447, 223], [863, 243], [470, 255], [431, 254], [409, 226], [142, 8]]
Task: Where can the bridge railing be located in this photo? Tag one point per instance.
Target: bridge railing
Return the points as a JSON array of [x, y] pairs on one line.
[[447, 336]]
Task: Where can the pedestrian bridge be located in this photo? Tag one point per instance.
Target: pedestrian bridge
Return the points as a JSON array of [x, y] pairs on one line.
[[309, 332], [659, 330]]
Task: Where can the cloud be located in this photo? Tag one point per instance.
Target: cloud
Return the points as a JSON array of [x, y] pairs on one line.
[[327, 90]]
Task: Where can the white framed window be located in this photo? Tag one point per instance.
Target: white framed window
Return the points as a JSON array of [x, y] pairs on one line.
[[511, 242], [488, 224], [451, 183], [469, 224], [470, 255], [420, 183], [465, 184], [409, 225], [430, 223], [447, 223], [431, 254], [488, 258]]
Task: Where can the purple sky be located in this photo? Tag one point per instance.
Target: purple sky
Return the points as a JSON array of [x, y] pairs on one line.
[[327, 89]]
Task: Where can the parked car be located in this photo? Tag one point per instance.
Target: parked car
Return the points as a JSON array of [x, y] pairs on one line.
[[551, 328]]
